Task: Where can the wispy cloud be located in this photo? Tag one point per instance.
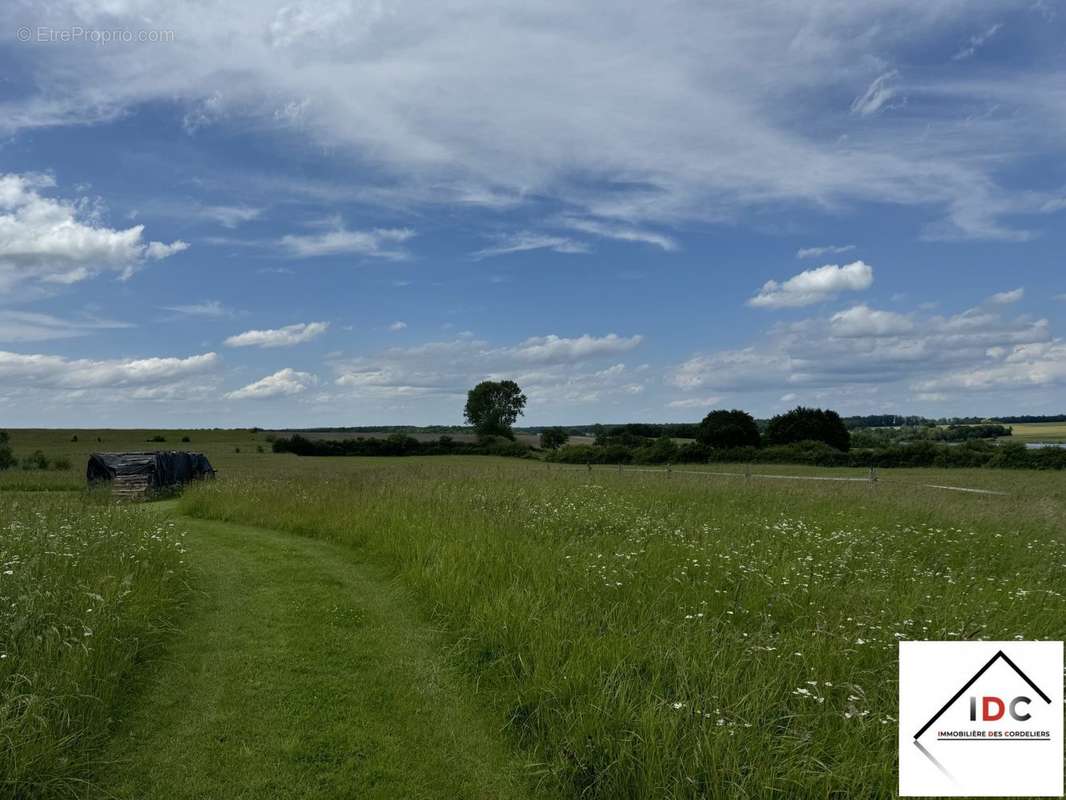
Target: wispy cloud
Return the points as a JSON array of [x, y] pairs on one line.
[[211, 309], [829, 249], [877, 94], [524, 241], [976, 42], [1006, 298], [621, 232], [375, 243]]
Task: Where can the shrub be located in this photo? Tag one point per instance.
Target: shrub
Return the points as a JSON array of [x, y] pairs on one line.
[[186, 439], [661, 451], [74, 438], [157, 438], [38, 460], [60, 464], [7, 458]]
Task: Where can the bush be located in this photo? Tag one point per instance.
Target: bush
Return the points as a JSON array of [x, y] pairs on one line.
[[662, 451], [60, 464], [7, 458], [809, 424], [186, 439], [36, 461], [157, 438]]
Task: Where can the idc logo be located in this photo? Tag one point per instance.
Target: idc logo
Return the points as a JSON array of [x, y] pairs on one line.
[[980, 719]]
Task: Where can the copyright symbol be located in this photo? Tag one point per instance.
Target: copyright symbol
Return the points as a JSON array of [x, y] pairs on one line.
[[23, 34]]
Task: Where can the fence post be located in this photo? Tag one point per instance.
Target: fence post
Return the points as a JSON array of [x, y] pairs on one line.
[[668, 469], [619, 467], [873, 474], [747, 471], [589, 465]]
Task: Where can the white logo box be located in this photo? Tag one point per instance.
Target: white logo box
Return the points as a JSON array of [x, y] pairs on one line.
[[980, 719]]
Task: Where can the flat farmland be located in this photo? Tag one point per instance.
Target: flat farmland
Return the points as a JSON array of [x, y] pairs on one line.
[[1038, 432]]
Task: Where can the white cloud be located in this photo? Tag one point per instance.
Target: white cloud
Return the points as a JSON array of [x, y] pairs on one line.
[[398, 325], [672, 114], [43, 240], [231, 216], [27, 326], [58, 372], [818, 252], [862, 320], [279, 337], [877, 94], [525, 241], [208, 308], [865, 347], [976, 42], [696, 402], [625, 233], [283, 383], [814, 286], [557, 349], [1006, 298], [377, 243], [551, 369]]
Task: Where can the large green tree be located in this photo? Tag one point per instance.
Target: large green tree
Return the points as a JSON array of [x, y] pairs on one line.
[[492, 407], [809, 425], [724, 429]]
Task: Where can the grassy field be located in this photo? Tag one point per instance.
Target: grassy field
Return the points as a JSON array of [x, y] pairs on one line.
[[598, 634], [1039, 432], [649, 636], [86, 592]]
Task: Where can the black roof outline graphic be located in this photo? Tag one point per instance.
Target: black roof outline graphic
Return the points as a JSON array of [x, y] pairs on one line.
[[999, 654]]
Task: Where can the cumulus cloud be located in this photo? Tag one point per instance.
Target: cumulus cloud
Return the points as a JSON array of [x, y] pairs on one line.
[[376, 243], [398, 325], [551, 369], [279, 337], [814, 286], [866, 347], [525, 241], [862, 320], [50, 371], [1006, 298], [556, 349], [44, 240], [283, 383]]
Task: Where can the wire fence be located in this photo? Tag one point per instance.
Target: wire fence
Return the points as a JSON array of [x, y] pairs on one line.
[[872, 478]]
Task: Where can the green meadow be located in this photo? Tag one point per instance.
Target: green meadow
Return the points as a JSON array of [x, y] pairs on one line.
[[482, 627]]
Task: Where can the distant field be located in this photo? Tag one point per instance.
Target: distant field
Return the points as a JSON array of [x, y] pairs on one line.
[[1039, 432]]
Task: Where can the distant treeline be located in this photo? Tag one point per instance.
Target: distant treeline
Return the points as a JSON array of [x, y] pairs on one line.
[[900, 421], [399, 444], [976, 453]]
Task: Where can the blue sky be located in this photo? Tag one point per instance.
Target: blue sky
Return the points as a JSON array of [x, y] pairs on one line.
[[341, 213]]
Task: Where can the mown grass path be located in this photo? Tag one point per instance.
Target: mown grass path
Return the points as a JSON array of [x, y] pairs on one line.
[[301, 671]]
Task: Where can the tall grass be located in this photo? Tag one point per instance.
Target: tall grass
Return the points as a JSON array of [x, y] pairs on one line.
[[85, 591], [650, 636]]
